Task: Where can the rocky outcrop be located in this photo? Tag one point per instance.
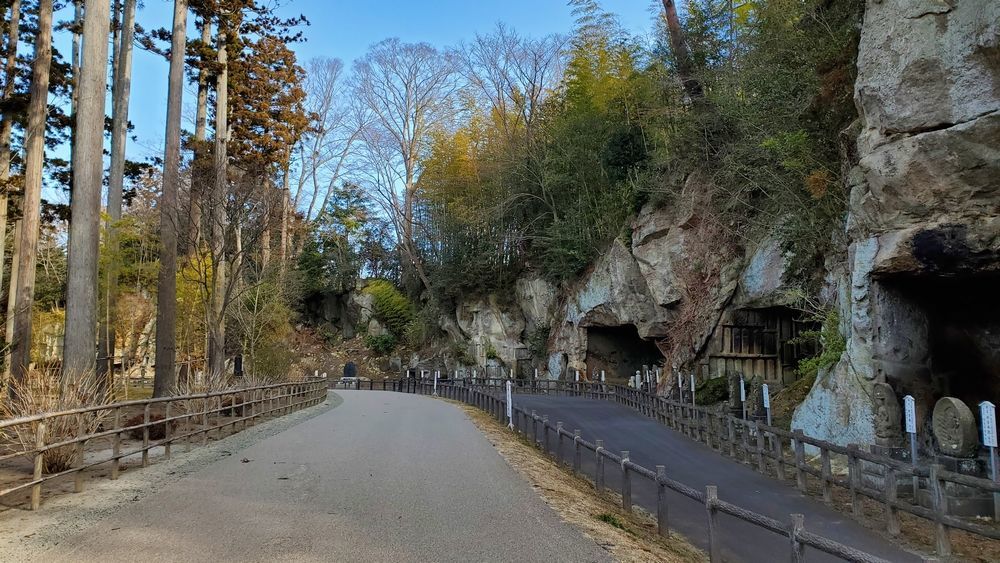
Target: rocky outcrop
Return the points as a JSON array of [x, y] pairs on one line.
[[923, 215]]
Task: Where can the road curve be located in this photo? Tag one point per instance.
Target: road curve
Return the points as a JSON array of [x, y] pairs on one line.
[[382, 477], [696, 465]]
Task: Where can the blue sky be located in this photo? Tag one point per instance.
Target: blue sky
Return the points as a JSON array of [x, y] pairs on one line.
[[344, 29]]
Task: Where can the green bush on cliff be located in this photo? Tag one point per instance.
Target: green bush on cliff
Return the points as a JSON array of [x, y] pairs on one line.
[[832, 345], [390, 307]]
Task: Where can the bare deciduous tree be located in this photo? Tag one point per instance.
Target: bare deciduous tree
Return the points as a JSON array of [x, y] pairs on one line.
[[406, 91]]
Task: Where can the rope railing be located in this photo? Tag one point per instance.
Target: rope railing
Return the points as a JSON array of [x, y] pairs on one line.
[[206, 412]]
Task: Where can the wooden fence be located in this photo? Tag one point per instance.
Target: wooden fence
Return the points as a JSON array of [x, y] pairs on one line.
[[208, 412], [778, 452]]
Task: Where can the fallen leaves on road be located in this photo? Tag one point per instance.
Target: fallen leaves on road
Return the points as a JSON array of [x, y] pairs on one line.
[[628, 538]]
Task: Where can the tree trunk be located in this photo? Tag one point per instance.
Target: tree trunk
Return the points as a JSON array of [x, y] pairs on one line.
[[685, 68], [217, 306], [121, 88], [283, 236], [79, 350], [6, 128], [11, 299], [164, 379], [200, 122], [34, 155]]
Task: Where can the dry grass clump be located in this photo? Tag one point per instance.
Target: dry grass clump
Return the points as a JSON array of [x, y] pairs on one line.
[[40, 392]]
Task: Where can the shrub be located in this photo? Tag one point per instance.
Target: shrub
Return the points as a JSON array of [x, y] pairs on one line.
[[382, 344], [390, 307], [712, 391], [156, 431], [832, 343], [39, 393]]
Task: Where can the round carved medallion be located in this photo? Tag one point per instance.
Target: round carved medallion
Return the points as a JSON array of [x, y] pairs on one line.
[[954, 427]]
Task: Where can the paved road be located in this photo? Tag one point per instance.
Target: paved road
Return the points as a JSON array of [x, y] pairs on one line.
[[383, 477], [696, 465]]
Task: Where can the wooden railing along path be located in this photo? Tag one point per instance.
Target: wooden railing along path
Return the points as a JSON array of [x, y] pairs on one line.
[[775, 451], [206, 411]]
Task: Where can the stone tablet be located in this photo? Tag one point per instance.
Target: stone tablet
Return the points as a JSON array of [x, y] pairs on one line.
[[954, 428]]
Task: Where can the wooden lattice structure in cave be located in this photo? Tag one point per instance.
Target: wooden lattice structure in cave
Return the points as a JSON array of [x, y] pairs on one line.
[[762, 344]]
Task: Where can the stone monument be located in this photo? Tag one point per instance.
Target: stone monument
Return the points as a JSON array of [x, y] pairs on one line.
[[954, 428]]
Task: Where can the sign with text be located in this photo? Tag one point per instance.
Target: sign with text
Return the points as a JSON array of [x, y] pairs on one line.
[[910, 414], [743, 391], [988, 416], [767, 396]]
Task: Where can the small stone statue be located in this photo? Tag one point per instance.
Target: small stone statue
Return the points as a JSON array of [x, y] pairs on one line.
[[954, 428], [888, 417]]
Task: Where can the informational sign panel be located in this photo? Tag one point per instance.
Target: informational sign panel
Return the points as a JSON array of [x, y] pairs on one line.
[[743, 391], [767, 396], [910, 414], [988, 416]]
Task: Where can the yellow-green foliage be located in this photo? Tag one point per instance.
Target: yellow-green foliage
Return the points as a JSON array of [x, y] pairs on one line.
[[831, 341], [390, 307]]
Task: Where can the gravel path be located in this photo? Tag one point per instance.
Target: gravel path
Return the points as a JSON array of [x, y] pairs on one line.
[[382, 477]]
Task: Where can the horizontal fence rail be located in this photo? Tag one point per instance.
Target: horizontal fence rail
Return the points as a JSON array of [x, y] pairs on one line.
[[211, 411], [553, 439], [781, 453]]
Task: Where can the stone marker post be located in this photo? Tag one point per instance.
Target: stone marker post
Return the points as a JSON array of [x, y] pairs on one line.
[[988, 417], [910, 417]]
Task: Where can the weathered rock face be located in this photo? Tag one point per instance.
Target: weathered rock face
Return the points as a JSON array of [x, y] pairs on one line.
[[494, 331], [923, 223]]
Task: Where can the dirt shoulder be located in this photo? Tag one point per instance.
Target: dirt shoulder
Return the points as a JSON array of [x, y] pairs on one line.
[[627, 537]]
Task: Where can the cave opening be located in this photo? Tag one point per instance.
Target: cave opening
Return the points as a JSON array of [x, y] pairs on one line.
[[619, 351], [950, 325]]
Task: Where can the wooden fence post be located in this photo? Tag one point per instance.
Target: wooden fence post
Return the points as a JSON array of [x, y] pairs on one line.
[[559, 442], [116, 447], [800, 460], [826, 474], [731, 430], [145, 435], [854, 478], [166, 430], [940, 505], [36, 489], [577, 462], [779, 456], [891, 495], [599, 466], [714, 549], [81, 431], [761, 463], [545, 433], [626, 484], [798, 549], [662, 526]]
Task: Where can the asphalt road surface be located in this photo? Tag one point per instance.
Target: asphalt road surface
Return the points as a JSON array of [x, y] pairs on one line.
[[696, 465], [383, 477]]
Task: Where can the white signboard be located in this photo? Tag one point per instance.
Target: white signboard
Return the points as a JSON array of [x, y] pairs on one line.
[[910, 414], [988, 416], [436, 382], [767, 396], [743, 391], [510, 403]]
